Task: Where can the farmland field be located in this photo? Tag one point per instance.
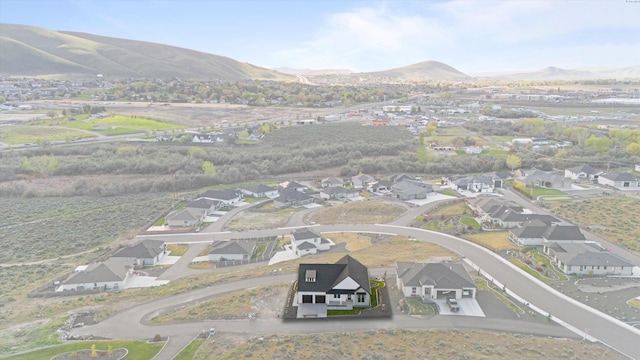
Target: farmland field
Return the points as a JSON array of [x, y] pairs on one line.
[[123, 121], [35, 134], [614, 218], [47, 228]]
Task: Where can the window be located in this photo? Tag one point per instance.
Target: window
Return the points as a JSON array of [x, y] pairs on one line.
[[307, 299], [349, 297], [336, 296], [361, 297], [413, 290], [321, 299]]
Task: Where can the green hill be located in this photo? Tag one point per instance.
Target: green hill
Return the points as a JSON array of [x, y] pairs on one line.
[[33, 51]]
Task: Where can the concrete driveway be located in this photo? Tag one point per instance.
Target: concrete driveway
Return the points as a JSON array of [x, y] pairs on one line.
[[468, 307]]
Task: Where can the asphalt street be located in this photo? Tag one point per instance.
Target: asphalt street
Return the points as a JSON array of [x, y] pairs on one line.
[[577, 316]]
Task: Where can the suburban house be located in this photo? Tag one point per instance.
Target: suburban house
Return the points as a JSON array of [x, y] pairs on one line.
[[536, 233], [485, 208], [362, 181], [537, 141], [619, 180], [338, 192], [583, 172], [508, 218], [340, 286], [291, 198], [207, 138], [401, 177], [545, 179], [331, 182], [232, 250], [380, 186], [206, 206], [259, 191], [292, 185], [228, 196], [108, 275], [147, 252], [429, 281], [185, 218], [411, 190], [586, 259], [637, 168], [307, 242], [478, 184]]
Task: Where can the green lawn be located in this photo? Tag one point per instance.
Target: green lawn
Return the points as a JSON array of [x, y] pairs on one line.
[[190, 350], [496, 151], [36, 133], [469, 221], [531, 271], [555, 198], [418, 308], [432, 225], [131, 123], [536, 191], [138, 350]]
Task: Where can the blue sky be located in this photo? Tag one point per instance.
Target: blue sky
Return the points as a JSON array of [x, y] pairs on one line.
[[470, 35]]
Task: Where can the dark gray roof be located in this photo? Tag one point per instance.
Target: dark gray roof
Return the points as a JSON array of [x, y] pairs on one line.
[[244, 247], [504, 175], [563, 232], [587, 169], [338, 190], [363, 178], [291, 196], [580, 254], [110, 270], [620, 176], [226, 194], [202, 203], [448, 276], [529, 232], [305, 245], [332, 180], [146, 249], [330, 275], [305, 234], [184, 214], [259, 189], [400, 177], [410, 187]]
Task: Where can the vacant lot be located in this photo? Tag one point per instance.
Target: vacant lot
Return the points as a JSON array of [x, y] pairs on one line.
[[614, 218], [361, 212], [459, 208], [402, 344], [493, 240], [266, 301], [46, 228], [354, 241], [250, 220]]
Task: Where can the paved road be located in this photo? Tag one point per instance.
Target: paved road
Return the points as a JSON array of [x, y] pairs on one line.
[[608, 330]]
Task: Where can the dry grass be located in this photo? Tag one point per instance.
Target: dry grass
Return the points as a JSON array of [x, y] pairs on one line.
[[251, 220], [177, 249], [235, 305], [362, 212], [614, 218], [402, 344], [494, 240], [354, 241], [460, 208]]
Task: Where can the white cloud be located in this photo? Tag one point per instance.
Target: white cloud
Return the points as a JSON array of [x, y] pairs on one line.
[[473, 35]]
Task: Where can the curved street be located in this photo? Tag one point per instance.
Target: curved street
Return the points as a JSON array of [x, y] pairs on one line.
[[612, 332]]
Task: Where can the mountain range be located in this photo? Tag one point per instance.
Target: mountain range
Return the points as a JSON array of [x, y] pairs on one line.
[[34, 51]]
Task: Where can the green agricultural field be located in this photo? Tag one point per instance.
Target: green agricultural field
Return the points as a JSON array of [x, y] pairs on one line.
[[496, 151], [131, 123], [37, 134]]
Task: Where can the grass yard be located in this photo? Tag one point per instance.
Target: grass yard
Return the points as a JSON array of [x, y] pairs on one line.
[[418, 308], [35, 134], [354, 241], [531, 271], [634, 302], [469, 221], [360, 212], [459, 208], [177, 249], [496, 151], [189, 352], [138, 350], [536, 191], [432, 225], [493, 240], [614, 218], [403, 344], [555, 198]]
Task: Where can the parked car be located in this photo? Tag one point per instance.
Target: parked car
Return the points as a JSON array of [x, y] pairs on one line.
[[453, 304]]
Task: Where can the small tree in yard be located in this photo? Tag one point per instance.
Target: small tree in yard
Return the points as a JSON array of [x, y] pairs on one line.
[[513, 162]]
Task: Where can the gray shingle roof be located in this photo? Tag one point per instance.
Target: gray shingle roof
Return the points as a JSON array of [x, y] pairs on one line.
[[226, 194], [330, 275], [579, 254], [305, 234], [622, 176], [110, 270], [587, 169], [449, 276], [146, 249], [563, 232], [244, 247]]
